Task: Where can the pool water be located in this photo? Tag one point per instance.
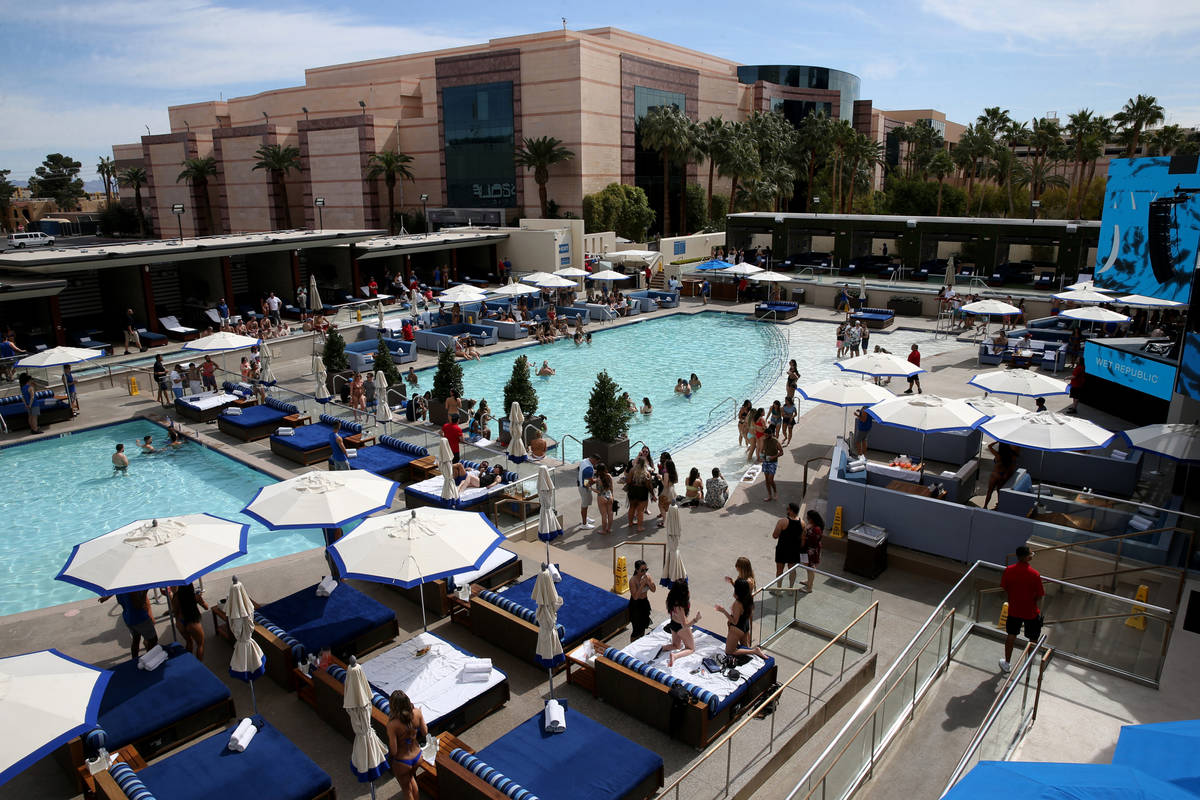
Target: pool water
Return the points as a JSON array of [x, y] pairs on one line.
[[62, 491], [734, 358]]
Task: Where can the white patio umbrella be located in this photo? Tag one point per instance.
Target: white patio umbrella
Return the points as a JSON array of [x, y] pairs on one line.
[[247, 662], [265, 356], [770, 276], [744, 269], [516, 290], [845, 392], [1093, 314], [221, 342], [46, 698], [990, 308], [549, 651], [1082, 286], [516, 429], [1142, 301], [572, 272], [608, 275], [549, 281], [880, 365], [1021, 382], [1083, 297], [314, 297], [58, 356], [149, 553], [549, 527], [1047, 431], [446, 464], [673, 569], [462, 293], [994, 406], [320, 499], [1177, 441], [384, 411], [412, 547], [926, 413], [368, 755]]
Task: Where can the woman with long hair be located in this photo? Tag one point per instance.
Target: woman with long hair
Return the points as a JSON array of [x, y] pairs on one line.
[[743, 419], [740, 618], [693, 488], [637, 487], [756, 435], [602, 485], [814, 529], [406, 730], [679, 605], [668, 477], [745, 571]]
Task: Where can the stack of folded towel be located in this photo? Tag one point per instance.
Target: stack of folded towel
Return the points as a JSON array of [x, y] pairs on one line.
[[326, 586], [857, 464], [239, 740], [234, 410], [285, 431], [153, 658], [476, 670], [556, 717]]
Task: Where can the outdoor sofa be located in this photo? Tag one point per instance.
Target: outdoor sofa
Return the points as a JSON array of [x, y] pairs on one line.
[[389, 458], [361, 355], [875, 318], [443, 337], [16, 417]]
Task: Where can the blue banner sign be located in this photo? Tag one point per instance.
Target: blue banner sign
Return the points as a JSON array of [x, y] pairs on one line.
[[680, 248], [1144, 375], [564, 248], [565, 261]]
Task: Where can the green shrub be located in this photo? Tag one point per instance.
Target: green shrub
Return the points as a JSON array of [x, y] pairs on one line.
[[334, 355], [607, 417], [519, 388], [448, 377], [385, 364]]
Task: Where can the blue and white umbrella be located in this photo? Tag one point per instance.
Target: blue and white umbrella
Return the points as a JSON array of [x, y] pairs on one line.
[[321, 499], [248, 662], [1021, 382], [549, 651], [549, 528], [46, 698], [58, 356], [368, 756]]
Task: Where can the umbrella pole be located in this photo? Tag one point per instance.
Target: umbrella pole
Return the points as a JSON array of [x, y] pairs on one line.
[[550, 673], [253, 698]]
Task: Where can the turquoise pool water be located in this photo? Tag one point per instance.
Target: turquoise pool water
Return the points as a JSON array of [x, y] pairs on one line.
[[59, 492], [733, 357]]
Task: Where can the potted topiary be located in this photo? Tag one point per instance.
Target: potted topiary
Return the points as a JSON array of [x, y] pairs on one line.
[[386, 364], [334, 358], [607, 421], [520, 389], [447, 378]]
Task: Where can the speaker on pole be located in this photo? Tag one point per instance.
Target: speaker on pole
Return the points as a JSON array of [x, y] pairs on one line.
[[1158, 228]]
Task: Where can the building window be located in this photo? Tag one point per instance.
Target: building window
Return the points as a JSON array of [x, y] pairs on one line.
[[796, 110], [648, 165], [478, 122]]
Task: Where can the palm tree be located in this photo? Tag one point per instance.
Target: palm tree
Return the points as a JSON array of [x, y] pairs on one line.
[[862, 154], [108, 173], [1079, 129], [1167, 139], [1139, 113], [197, 171], [540, 155], [1016, 134], [941, 166], [994, 120], [692, 152], [664, 129], [738, 158], [392, 164], [279, 160], [711, 141], [1100, 134], [1040, 176], [135, 178], [973, 144], [812, 144]]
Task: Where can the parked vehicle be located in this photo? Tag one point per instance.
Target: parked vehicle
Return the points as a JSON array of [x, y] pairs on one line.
[[34, 239]]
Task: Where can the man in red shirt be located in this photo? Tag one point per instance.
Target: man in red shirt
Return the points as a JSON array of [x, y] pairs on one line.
[[1023, 585], [914, 358], [453, 435], [1077, 379]]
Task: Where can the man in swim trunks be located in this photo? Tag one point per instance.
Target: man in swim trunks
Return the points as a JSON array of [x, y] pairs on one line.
[[120, 461]]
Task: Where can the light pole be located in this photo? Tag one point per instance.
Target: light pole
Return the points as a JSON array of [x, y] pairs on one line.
[[319, 202], [177, 209], [425, 211]]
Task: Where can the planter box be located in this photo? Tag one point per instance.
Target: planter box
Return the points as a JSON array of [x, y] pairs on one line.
[[608, 452], [908, 306], [437, 413]]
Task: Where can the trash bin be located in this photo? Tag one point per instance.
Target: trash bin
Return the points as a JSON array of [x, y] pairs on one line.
[[866, 550], [798, 296]]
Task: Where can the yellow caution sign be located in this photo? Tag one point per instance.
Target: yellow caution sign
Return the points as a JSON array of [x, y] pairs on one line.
[[1003, 617], [836, 531], [358, 312], [133, 387], [620, 577], [1139, 621]]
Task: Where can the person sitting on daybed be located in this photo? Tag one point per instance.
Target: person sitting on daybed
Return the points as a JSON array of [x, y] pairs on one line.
[[679, 603], [740, 617]]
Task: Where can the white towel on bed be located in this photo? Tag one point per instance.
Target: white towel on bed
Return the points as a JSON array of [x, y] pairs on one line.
[[234, 411], [478, 665], [326, 586], [153, 658], [474, 677], [556, 717], [285, 431], [242, 734]]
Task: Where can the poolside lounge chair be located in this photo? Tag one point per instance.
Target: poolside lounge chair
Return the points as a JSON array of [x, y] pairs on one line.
[[310, 444], [389, 458], [86, 341], [150, 338], [500, 568], [204, 407], [16, 418], [175, 330], [256, 422]]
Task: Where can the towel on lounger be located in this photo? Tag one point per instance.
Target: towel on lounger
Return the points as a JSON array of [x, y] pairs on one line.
[[474, 677], [477, 665], [234, 411], [556, 717], [153, 658], [242, 734], [285, 431], [326, 586]]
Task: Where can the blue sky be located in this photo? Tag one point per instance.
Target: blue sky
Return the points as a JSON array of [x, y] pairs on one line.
[[84, 75]]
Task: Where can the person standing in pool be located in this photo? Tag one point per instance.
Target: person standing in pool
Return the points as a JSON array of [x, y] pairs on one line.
[[120, 461]]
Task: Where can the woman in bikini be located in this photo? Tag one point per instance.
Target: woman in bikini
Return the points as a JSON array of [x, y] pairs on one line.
[[740, 617], [603, 487], [679, 603], [756, 435], [668, 476], [743, 419], [406, 730], [639, 601], [693, 488], [745, 571], [358, 397]]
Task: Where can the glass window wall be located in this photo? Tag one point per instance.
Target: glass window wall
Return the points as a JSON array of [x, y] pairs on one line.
[[480, 140]]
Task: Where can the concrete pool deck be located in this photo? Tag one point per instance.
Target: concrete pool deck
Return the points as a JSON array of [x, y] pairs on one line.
[[713, 539]]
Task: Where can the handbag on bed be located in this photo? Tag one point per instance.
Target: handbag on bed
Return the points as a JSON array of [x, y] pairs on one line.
[[711, 664]]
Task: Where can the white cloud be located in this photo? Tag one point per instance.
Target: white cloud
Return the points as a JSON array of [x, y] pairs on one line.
[[1062, 24], [34, 127], [142, 43]]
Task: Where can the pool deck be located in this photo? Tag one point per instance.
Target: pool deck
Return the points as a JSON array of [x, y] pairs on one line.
[[713, 539]]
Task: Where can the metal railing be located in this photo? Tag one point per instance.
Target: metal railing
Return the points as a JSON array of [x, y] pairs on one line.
[[642, 554], [804, 486], [721, 404], [562, 448], [852, 596], [809, 668]]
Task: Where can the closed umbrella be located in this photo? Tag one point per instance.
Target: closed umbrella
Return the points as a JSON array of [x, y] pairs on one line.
[[248, 662], [267, 375], [549, 528], [379, 316], [673, 569], [516, 430], [1142, 301], [1083, 297], [411, 547], [368, 756], [926, 413], [322, 378], [314, 297], [384, 411], [845, 392], [446, 464], [880, 365], [320, 499], [549, 651], [1020, 382], [46, 698]]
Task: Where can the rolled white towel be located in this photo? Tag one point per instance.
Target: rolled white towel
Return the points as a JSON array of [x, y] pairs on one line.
[[856, 468], [234, 411], [554, 573], [474, 677], [153, 658], [285, 431], [326, 586], [242, 735], [556, 717], [351, 452]]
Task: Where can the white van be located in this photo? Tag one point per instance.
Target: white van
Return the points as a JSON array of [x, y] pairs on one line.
[[37, 239]]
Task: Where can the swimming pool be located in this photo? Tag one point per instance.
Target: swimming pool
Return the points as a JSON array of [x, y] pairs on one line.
[[61, 491], [734, 358]]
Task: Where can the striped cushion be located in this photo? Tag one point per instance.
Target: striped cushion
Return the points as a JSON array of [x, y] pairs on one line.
[[490, 776], [129, 782], [299, 652], [665, 678], [347, 425], [279, 405], [377, 699], [93, 741], [516, 609]]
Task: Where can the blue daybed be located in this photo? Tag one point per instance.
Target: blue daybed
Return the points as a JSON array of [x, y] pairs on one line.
[[776, 311], [585, 762], [443, 337], [16, 417], [309, 444], [429, 492], [507, 618], [361, 355], [256, 422], [662, 299], [874, 318], [271, 767], [389, 457]]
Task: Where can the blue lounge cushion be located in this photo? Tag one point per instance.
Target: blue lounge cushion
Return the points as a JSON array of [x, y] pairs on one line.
[[253, 416], [327, 622], [585, 607]]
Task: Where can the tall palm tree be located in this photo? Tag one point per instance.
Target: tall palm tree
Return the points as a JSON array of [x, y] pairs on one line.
[[994, 120], [738, 158], [863, 154], [1100, 134], [1014, 135], [1078, 130], [664, 129], [711, 141], [1167, 139], [692, 152], [840, 136], [392, 164], [1138, 113], [279, 160], [135, 178], [108, 173], [812, 146], [197, 171], [973, 144], [540, 155], [940, 166]]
